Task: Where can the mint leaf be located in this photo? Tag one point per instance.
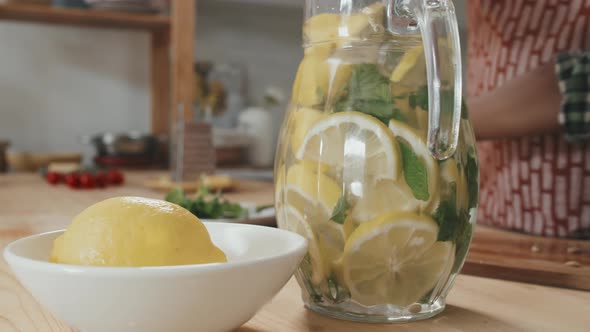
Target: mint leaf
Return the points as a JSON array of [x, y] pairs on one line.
[[205, 205], [452, 223], [398, 115], [261, 208], [340, 210], [472, 173], [203, 191], [233, 210], [419, 98], [446, 217], [382, 110], [367, 83], [368, 92], [414, 172], [342, 105], [177, 196]]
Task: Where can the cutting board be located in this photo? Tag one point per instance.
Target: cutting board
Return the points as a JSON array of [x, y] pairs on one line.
[[532, 259]]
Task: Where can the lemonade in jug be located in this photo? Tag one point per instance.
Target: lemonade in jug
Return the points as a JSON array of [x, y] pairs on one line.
[[376, 164]]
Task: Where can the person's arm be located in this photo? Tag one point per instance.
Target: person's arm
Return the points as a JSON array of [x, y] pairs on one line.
[[527, 105]]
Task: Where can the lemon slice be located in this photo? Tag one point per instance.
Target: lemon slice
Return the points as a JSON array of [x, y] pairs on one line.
[[384, 196], [323, 50], [394, 259], [330, 235], [331, 238], [314, 195], [311, 81], [301, 120], [297, 224], [417, 143], [301, 176], [319, 77], [411, 70], [308, 181], [329, 27], [360, 144]]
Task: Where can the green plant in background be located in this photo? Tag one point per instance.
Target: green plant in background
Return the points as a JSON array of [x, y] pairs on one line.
[[207, 205]]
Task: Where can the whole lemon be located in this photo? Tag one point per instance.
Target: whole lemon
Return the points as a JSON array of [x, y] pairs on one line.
[[135, 231]]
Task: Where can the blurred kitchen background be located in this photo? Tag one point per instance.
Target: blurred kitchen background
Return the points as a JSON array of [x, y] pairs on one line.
[[62, 85]]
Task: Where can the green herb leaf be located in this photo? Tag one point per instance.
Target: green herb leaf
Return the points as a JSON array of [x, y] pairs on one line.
[[453, 224], [177, 196], [446, 215], [207, 206], [233, 210], [203, 191], [448, 220], [472, 173], [398, 115], [419, 98], [415, 172], [368, 92], [367, 83], [382, 110], [340, 210], [260, 208]]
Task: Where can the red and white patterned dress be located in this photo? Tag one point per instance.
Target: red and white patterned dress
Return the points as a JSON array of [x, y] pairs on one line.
[[537, 184]]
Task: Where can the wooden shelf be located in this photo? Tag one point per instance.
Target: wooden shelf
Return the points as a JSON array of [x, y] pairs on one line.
[[172, 44], [172, 41], [275, 3], [82, 17]]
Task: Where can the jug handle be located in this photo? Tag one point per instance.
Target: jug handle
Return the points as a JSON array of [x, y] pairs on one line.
[[440, 34]]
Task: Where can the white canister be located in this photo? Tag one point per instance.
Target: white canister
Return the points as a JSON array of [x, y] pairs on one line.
[[257, 122]]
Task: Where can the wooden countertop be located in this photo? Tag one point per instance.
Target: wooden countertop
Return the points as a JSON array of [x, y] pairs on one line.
[[30, 206]]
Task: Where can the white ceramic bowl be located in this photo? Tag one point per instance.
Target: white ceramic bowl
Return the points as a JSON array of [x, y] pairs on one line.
[[209, 297]]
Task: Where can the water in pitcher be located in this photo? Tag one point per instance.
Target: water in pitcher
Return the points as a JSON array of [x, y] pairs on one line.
[[388, 224]]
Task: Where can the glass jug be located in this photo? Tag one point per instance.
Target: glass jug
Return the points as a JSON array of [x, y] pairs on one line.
[[376, 164]]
